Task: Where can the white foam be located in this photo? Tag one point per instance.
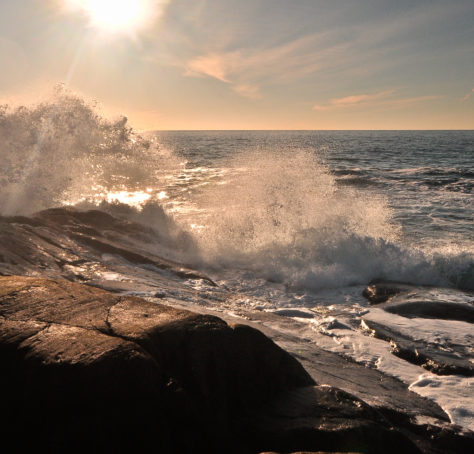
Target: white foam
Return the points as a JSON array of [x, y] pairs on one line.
[[439, 332], [453, 393], [283, 216]]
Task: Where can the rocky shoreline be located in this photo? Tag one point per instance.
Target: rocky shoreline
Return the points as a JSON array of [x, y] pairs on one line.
[[89, 370], [85, 369]]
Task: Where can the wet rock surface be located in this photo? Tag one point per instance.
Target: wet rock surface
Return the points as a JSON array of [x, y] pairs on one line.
[[330, 419], [443, 357], [68, 243], [119, 371], [430, 309], [444, 310], [93, 371], [89, 370], [379, 291], [415, 301], [429, 356]]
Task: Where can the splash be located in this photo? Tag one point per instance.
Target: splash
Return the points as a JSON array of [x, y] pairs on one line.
[[62, 151], [284, 217], [278, 213]]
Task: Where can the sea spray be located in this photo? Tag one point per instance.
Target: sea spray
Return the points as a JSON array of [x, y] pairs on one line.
[[277, 211], [63, 150], [282, 215]]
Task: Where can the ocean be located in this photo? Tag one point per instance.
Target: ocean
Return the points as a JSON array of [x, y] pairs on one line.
[[289, 223]]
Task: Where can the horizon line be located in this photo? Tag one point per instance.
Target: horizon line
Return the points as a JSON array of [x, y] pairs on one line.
[[309, 130]]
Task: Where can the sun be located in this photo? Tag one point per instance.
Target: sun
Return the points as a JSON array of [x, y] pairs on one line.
[[118, 16]]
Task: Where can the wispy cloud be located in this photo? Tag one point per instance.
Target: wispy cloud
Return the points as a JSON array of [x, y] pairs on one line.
[[359, 99], [291, 62], [414, 99], [228, 68], [213, 65], [465, 98], [354, 100], [387, 98], [248, 91], [245, 70]]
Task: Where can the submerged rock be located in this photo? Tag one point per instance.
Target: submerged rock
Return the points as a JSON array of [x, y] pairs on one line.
[[443, 356]]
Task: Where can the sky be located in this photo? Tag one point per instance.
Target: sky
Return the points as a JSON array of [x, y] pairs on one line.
[[248, 64]]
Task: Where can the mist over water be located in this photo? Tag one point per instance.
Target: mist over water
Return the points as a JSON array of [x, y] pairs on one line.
[[309, 211]]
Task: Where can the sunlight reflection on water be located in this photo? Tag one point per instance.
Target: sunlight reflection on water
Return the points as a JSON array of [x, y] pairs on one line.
[[136, 198]]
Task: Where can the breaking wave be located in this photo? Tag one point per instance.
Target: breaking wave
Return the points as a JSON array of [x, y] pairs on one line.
[[62, 151], [285, 217], [280, 214]]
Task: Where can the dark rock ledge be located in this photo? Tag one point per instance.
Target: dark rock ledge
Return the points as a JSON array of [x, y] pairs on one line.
[[84, 370]]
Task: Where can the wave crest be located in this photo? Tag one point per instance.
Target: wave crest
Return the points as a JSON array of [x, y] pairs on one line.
[[62, 150]]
